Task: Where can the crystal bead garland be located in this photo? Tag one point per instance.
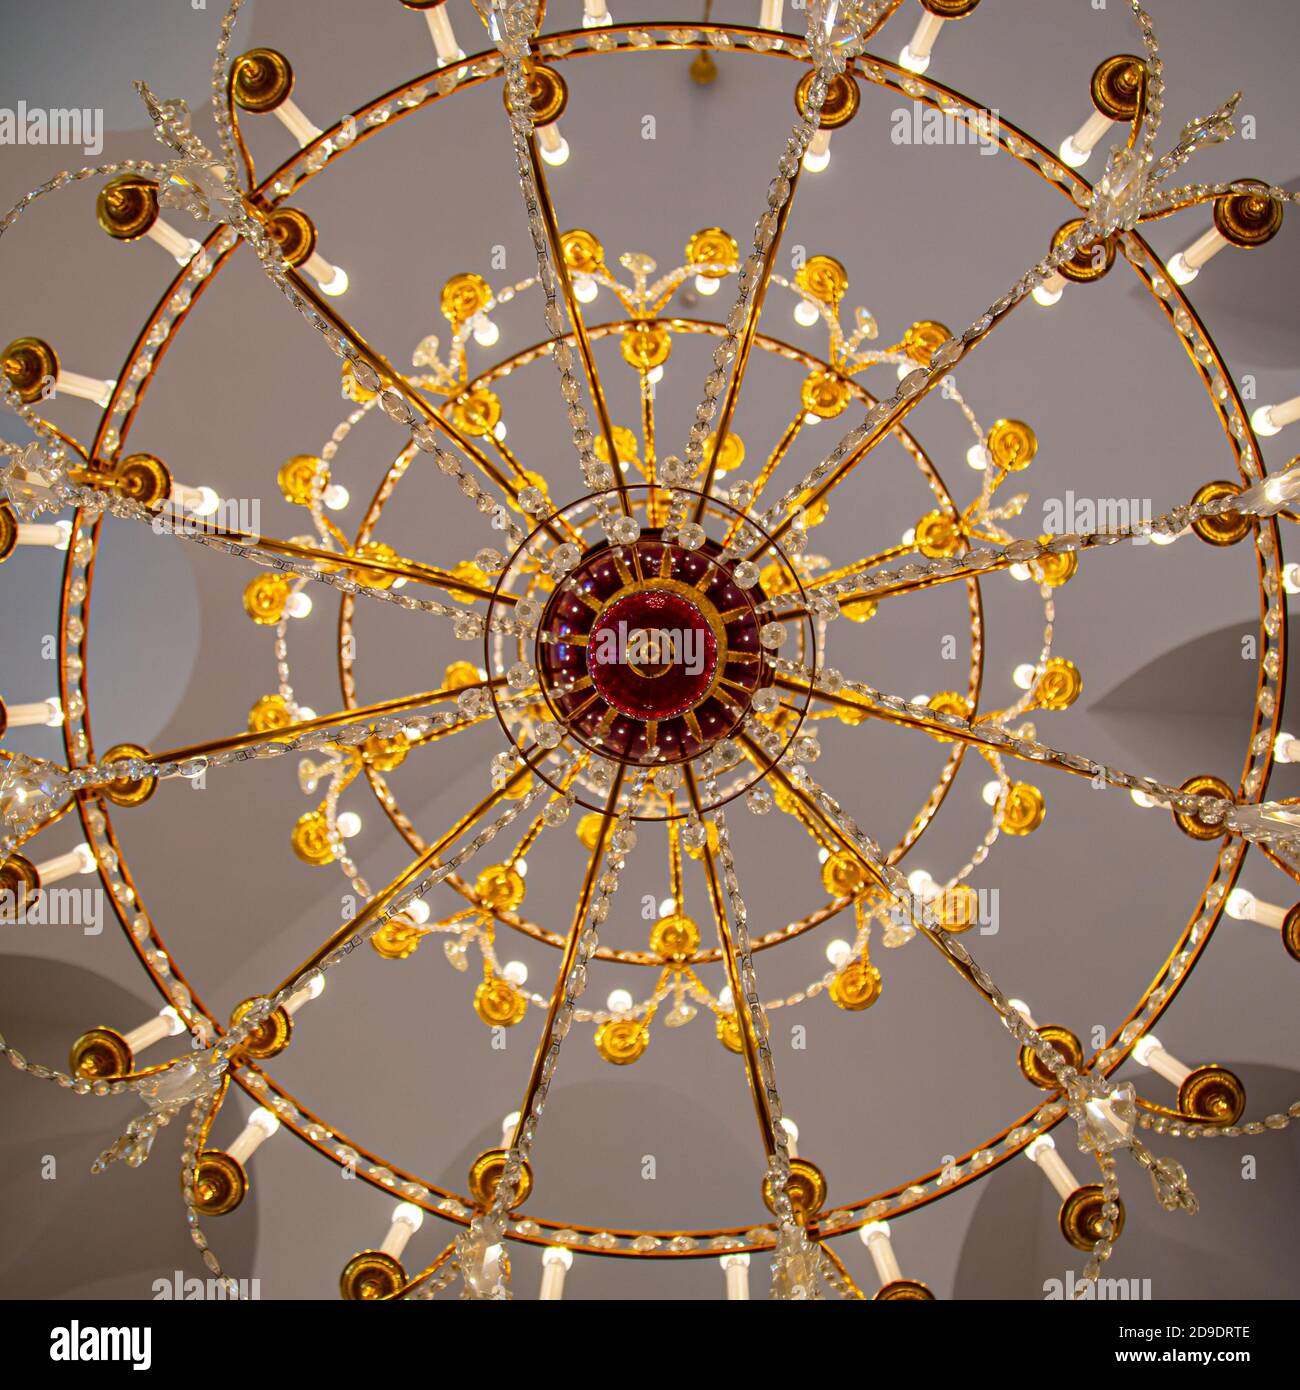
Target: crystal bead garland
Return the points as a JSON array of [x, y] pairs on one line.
[[515, 23], [1172, 525], [795, 1261], [829, 60], [1252, 822], [1100, 1139], [487, 1229], [1121, 197]]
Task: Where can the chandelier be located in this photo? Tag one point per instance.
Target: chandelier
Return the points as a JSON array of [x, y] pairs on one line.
[[652, 646]]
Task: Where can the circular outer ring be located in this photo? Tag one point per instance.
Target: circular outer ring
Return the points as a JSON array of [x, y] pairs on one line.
[[1147, 266]]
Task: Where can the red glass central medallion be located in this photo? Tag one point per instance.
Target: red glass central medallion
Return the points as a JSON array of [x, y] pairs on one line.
[[648, 652], [651, 654]]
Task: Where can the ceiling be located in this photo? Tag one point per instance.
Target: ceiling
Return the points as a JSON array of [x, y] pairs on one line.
[[393, 1054]]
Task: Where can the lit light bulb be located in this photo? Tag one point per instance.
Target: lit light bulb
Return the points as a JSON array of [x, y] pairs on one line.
[[978, 457], [726, 1000], [349, 824], [706, 284], [806, 313], [336, 497], [619, 1001], [668, 907], [521, 867], [298, 604], [1180, 272], [1263, 422], [814, 161], [1025, 675], [409, 1214], [486, 332], [823, 855], [655, 375], [1020, 572], [499, 431], [207, 504], [556, 154], [306, 712], [516, 972], [913, 62], [838, 952], [1071, 155], [1140, 798], [1241, 904], [1049, 292], [418, 911], [585, 289], [337, 284], [990, 792]]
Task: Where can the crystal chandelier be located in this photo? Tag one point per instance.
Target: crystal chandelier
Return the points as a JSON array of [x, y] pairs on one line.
[[653, 649]]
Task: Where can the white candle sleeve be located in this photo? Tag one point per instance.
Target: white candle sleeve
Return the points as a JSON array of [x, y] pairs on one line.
[[48, 712], [1149, 1053], [293, 120], [56, 534], [407, 1219], [180, 248], [556, 1262], [444, 36], [1075, 149], [876, 1238], [916, 56], [76, 861], [770, 14], [261, 1125], [735, 1269], [1042, 1152], [164, 1025], [87, 388]]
